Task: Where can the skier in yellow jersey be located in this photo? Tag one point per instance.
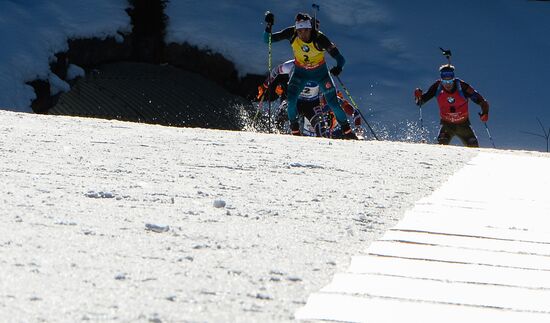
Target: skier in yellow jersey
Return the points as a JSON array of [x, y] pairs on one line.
[[309, 46]]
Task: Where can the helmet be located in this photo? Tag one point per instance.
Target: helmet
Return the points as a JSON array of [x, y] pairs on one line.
[[302, 16], [303, 20], [447, 71]]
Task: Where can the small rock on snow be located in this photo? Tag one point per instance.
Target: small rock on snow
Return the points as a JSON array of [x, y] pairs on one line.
[[156, 228], [219, 203], [100, 195], [263, 297]]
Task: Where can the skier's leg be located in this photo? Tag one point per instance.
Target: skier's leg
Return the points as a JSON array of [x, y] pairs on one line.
[[305, 109], [445, 135], [295, 85], [329, 91], [467, 135]]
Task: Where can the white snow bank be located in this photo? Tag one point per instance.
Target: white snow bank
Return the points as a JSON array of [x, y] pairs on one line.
[[33, 31]]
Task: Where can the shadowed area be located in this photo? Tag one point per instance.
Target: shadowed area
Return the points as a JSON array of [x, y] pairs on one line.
[[152, 94]]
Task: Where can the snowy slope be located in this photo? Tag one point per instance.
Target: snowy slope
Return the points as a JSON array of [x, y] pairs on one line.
[[78, 194]]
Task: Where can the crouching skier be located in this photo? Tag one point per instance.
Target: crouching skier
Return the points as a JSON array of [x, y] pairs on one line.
[[332, 131], [307, 101], [310, 103], [309, 46]]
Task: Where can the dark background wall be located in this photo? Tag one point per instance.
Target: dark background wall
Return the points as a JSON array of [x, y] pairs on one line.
[[145, 44]]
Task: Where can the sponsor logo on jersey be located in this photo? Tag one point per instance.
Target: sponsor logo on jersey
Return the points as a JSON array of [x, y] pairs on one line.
[[305, 48], [451, 99]]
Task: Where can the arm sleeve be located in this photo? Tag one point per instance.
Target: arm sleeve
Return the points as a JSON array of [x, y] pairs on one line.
[[286, 33], [324, 43], [273, 75], [471, 93], [340, 60], [484, 107], [285, 68], [431, 92]]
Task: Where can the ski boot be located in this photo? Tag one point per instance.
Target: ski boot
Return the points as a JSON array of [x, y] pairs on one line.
[[295, 128], [347, 133]]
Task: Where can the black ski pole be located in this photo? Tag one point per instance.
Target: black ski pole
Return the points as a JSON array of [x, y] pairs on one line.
[[489, 134], [315, 11], [421, 123], [268, 13], [356, 106], [420, 117], [269, 82]]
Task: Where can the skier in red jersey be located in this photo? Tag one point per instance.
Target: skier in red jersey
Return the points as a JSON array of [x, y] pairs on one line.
[[453, 95]]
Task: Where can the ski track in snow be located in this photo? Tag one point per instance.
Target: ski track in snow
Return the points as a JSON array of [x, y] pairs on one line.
[[114, 221]]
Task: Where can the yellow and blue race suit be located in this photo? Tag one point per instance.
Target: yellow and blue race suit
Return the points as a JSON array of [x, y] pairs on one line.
[[310, 66]]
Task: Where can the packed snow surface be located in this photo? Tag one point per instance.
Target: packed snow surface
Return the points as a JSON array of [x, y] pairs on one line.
[[115, 221]]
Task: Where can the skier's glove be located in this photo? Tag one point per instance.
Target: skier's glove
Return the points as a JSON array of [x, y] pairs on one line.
[[261, 89], [336, 70], [269, 21], [484, 117], [418, 96]]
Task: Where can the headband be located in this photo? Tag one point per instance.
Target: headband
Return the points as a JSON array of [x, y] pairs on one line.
[[303, 24]]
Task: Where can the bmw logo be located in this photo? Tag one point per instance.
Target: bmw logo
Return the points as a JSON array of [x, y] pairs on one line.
[[451, 99], [305, 48]]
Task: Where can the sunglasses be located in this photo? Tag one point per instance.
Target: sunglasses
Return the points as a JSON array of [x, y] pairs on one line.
[[448, 82]]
